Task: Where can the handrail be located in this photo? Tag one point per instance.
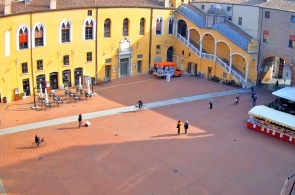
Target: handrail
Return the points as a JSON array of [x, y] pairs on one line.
[[224, 65]]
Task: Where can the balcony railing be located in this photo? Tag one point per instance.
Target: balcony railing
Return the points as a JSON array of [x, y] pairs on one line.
[[207, 56]]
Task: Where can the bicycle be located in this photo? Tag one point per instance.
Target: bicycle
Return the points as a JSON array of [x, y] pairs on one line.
[[42, 143], [136, 107]]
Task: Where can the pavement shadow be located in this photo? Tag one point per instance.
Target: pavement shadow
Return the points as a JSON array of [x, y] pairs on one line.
[[165, 135], [67, 128], [25, 147]]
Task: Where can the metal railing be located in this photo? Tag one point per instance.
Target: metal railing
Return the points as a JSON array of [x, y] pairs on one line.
[[224, 65]]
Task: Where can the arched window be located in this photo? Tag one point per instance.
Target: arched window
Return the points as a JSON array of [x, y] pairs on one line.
[[89, 29], [125, 27], [65, 32], [38, 33], [171, 26], [107, 28], [159, 26], [142, 26], [23, 38]]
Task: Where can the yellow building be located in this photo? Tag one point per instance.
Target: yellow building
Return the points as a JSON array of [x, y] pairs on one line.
[[57, 44]]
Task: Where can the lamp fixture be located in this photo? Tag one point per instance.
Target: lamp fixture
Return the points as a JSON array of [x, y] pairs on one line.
[[166, 43]]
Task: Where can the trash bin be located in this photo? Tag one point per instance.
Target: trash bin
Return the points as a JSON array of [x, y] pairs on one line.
[[5, 100]]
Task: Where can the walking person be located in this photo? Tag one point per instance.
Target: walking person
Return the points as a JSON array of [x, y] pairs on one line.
[[185, 126], [254, 100], [211, 101], [80, 120], [178, 126], [237, 99]]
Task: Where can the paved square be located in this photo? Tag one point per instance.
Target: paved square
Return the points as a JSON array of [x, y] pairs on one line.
[[127, 152]]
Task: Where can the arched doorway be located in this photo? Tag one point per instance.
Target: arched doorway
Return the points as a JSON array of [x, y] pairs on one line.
[[170, 54], [53, 77], [78, 73], [40, 79], [182, 28], [192, 68], [66, 78]]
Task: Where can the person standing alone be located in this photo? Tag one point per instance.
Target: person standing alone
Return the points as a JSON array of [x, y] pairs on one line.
[[185, 126], [178, 126], [211, 101], [80, 120]]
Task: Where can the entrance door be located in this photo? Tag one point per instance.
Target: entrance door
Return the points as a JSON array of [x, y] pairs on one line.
[[108, 71], [124, 66], [78, 72], [41, 79], [26, 87], [139, 63], [209, 72], [66, 78], [170, 54], [53, 80], [281, 68]]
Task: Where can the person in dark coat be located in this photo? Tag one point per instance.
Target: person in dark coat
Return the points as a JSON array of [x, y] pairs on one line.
[[80, 120], [185, 126], [211, 101], [178, 126], [37, 140]]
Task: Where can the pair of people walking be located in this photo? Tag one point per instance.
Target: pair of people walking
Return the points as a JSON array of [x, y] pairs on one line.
[[178, 126]]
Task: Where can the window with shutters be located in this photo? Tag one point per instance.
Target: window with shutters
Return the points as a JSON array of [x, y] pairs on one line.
[[107, 28]]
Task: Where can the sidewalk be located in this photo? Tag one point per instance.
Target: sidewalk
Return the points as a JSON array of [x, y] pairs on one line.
[[87, 116]]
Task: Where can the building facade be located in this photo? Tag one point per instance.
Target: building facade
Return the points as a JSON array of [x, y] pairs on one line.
[[61, 43]]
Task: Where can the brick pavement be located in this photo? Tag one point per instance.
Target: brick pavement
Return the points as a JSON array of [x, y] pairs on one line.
[[139, 152]]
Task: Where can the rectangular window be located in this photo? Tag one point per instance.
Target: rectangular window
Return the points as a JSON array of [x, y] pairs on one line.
[[292, 41], [89, 13], [24, 68], [140, 56], [39, 64], [224, 75], [229, 18], [23, 41], [240, 21], [158, 49], [182, 52], [89, 56], [88, 33], [38, 37], [267, 14], [293, 19], [228, 8], [265, 36], [66, 60], [203, 6], [108, 60]]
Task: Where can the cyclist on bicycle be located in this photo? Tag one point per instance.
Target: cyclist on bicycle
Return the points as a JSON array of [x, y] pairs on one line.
[[37, 140], [140, 104]]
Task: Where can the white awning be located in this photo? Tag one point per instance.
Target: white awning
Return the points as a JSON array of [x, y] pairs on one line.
[[274, 116], [286, 93]]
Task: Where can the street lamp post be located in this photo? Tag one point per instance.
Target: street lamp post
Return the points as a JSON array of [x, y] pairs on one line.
[[35, 106], [92, 84]]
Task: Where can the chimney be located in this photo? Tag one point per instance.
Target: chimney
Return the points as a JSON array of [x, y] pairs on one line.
[[166, 3], [7, 7], [52, 4]]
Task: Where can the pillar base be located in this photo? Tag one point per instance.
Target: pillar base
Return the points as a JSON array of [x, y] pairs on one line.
[[34, 107]]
